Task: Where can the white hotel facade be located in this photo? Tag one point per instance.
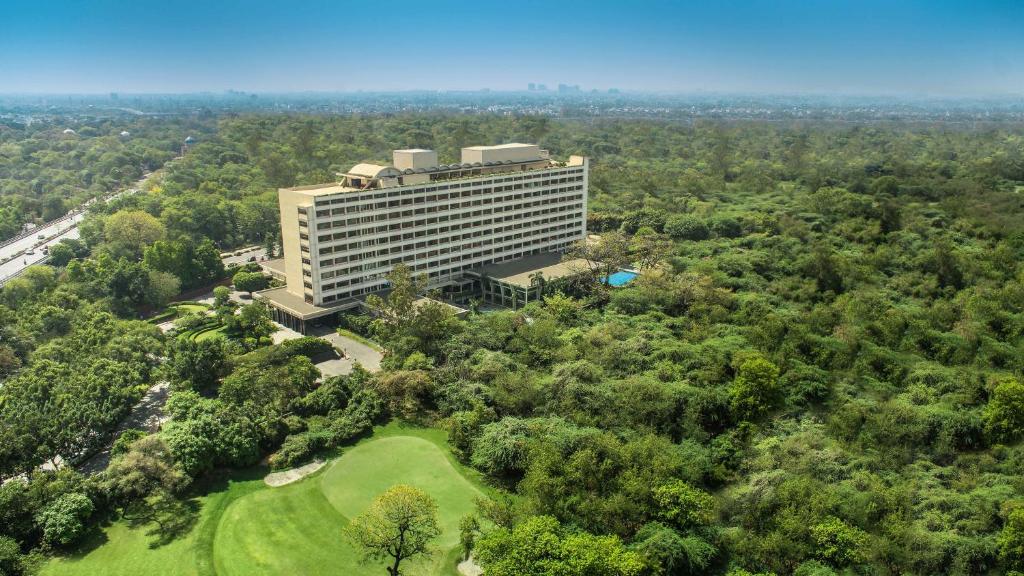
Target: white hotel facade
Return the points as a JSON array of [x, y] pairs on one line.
[[499, 204]]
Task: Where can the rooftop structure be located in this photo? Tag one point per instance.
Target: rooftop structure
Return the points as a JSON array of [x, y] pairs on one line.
[[500, 204]]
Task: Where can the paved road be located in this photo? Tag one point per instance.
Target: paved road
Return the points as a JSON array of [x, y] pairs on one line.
[[54, 234], [15, 257], [257, 252]]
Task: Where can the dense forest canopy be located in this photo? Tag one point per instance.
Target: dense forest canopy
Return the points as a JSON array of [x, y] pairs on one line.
[[817, 372], [49, 167]]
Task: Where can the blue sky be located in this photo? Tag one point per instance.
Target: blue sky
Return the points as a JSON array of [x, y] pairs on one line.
[[937, 47]]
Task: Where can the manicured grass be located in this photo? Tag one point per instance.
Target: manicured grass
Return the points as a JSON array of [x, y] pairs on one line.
[[360, 339], [207, 333], [175, 310], [245, 527], [191, 308]]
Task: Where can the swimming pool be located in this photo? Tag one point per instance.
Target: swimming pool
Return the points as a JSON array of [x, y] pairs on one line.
[[621, 278]]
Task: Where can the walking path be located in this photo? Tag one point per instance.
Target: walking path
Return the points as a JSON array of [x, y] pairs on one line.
[[147, 415]]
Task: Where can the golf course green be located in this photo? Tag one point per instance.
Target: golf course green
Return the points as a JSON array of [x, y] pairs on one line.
[[246, 527]]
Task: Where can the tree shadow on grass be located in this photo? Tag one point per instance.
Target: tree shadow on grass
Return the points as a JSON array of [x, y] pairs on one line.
[[165, 518], [93, 538]]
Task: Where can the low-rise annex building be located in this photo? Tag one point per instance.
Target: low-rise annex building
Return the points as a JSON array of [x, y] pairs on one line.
[[449, 222]]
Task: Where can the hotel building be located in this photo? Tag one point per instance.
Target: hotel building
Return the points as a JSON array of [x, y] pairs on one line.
[[449, 222]]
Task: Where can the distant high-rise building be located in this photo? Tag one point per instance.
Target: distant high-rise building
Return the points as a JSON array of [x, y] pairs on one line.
[[542, 87], [613, 90], [113, 96], [531, 86], [568, 88]]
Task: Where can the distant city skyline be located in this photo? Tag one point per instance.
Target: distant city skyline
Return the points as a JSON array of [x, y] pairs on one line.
[[875, 47]]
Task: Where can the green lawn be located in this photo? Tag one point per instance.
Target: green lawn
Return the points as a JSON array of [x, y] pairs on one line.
[[245, 527], [208, 333]]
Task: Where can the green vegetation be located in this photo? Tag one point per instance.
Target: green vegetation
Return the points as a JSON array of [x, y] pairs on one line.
[[45, 172], [818, 371], [306, 518], [360, 339]]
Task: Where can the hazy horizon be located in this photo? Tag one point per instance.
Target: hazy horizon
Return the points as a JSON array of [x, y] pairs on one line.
[[750, 47]]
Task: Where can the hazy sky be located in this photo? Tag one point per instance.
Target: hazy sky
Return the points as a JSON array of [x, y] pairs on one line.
[[968, 47]]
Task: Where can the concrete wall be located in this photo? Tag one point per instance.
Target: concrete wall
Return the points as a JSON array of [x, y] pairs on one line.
[[289, 202], [501, 153], [415, 159]]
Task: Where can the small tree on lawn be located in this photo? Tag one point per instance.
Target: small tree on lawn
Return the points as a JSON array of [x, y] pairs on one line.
[[399, 524]]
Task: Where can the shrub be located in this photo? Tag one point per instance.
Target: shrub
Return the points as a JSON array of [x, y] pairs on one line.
[[298, 448], [125, 440], [307, 346], [63, 520], [686, 227]]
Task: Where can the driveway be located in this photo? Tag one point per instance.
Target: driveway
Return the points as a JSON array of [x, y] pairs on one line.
[[350, 351], [356, 351]]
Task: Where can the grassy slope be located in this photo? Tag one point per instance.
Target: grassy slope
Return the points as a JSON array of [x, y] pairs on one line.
[[248, 528]]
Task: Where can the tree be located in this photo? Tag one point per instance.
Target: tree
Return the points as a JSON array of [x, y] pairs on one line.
[[538, 281], [63, 520], [947, 265], [1011, 540], [195, 364], [221, 296], [649, 248], [12, 562], [397, 310], [399, 524], [1004, 413], [686, 227], [823, 268], [250, 281], [839, 543], [252, 322], [128, 232], [469, 528], [605, 256], [501, 447], [163, 287], [684, 506], [755, 390], [61, 254], [540, 545], [669, 553], [196, 265]]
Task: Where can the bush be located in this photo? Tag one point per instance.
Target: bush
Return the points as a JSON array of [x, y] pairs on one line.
[[12, 562], [726, 227], [687, 227], [250, 281], [63, 520], [298, 448], [309, 346], [124, 441]]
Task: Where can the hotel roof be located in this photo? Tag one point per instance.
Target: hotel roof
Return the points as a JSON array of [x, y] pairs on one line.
[[519, 272]]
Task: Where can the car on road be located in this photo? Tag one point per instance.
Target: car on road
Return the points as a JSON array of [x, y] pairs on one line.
[[41, 236], [30, 252]]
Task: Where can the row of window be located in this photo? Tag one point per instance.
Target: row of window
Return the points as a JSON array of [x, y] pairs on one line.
[[458, 220], [467, 232], [407, 253], [348, 197], [475, 260], [424, 199], [383, 216]]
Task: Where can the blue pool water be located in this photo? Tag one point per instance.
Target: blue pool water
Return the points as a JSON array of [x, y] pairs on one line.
[[621, 278]]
